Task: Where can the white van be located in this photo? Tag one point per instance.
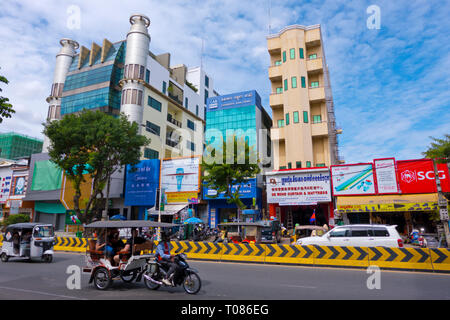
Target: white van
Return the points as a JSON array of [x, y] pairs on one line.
[[357, 235]]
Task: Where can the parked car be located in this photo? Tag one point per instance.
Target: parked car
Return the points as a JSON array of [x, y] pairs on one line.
[[359, 235], [271, 233]]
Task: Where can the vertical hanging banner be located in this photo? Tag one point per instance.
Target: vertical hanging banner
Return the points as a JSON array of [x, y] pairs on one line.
[[386, 175]]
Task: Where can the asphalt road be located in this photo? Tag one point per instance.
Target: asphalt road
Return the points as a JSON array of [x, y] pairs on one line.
[[229, 281]]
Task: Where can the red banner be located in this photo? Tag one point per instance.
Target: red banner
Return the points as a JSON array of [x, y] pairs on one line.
[[417, 176]]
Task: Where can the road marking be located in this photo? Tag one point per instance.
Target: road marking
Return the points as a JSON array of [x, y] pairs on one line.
[[43, 293]]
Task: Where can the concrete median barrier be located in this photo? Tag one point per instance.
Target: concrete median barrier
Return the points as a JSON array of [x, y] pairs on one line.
[[341, 256], [294, 254], [440, 259], [400, 258]]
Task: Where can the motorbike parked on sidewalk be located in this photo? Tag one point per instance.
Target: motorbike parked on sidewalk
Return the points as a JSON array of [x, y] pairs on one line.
[[184, 275]]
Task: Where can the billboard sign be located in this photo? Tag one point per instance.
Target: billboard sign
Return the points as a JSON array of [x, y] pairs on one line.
[[299, 188], [417, 176], [5, 184], [386, 175], [355, 179], [247, 190], [141, 185], [181, 175]]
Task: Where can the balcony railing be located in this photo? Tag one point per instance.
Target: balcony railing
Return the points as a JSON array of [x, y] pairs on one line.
[[176, 98], [173, 121], [172, 143]]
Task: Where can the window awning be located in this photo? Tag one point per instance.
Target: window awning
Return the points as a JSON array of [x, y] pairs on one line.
[[47, 207], [388, 203], [169, 209]]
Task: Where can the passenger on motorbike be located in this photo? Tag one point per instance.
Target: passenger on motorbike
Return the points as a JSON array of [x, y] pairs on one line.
[[165, 258]]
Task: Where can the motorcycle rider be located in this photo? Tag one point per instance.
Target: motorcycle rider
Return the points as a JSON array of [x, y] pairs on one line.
[[163, 254]]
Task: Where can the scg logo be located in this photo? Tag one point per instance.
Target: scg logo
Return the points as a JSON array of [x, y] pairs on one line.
[[410, 176]]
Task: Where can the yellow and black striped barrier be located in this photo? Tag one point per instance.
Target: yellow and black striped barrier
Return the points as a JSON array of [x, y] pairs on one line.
[[428, 259]]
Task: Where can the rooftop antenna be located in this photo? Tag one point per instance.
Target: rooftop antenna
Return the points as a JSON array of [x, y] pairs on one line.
[[201, 54], [270, 5]]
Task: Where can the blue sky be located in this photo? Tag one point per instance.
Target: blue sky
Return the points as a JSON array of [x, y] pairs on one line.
[[390, 86]]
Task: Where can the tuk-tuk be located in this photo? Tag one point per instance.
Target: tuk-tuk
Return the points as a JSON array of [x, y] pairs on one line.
[[131, 265], [237, 232], [307, 231], [31, 241]]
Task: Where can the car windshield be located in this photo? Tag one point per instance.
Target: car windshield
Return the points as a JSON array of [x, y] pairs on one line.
[[43, 231], [266, 231]]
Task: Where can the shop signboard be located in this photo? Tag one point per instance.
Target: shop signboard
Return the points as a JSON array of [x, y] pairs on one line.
[[417, 176], [386, 176], [299, 188], [388, 207], [354, 179], [181, 175], [141, 184], [5, 184], [182, 197], [247, 190]]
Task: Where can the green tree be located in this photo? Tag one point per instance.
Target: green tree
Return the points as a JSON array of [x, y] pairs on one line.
[[439, 149], [230, 168], [97, 144], [16, 218], [6, 109]]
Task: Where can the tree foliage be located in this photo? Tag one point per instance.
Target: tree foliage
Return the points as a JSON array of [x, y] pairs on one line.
[[16, 218], [230, 169], [6, 109], [439, 149], [93, 143]]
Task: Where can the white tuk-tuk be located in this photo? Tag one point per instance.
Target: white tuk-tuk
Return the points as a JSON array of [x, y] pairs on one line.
[[33, 241]]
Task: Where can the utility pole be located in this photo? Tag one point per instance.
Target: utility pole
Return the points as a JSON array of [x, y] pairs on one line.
[[442, 202]]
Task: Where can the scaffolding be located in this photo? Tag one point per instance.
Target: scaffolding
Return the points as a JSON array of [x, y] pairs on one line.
[[16, 145]]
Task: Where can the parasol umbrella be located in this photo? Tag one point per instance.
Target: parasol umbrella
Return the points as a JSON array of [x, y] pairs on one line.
[[118, 217], [193, 220]]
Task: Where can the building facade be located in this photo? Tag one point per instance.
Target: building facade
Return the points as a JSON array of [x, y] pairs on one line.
[[304, 130], [168, 102], [243, 115], [14, 145]]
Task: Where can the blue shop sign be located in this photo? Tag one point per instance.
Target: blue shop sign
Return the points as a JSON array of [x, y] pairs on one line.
[[245, 98], [141, 185], [247, 190]]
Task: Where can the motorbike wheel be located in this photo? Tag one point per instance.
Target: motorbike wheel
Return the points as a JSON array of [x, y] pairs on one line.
[[149, 284], [129, 277], [47, 258], [4, 257], [192, 283], [102, 279]]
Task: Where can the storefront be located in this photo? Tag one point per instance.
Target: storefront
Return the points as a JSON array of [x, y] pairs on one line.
[[220, 211], [387, 191], [300, 196]]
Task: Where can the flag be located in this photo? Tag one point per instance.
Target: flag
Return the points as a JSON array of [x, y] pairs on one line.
[[313, 217]]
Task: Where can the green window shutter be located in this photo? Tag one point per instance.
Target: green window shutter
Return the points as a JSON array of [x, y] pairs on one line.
[[312, 56], [280, 123], [278, 62], [296, 120], [298, 164], [287, 118], [164, 87], [283, 167], [292, 54], [303, 82], [294, 82], [317, 119], [301, 54], [280, 90], [284, 56], [315, 84], [308, 164], [320, 165], [289, 165], [285, 84], [305, 116]]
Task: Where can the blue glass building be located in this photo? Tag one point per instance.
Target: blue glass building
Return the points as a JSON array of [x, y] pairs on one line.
[[243, 114]]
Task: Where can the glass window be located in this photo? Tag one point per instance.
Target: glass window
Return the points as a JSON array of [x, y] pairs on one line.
[[206, 95], [280, 123], [139, 99], [136, 71], [359, 233], [280, 90], [287, 118], [294, 82], [284, 56], [190, 124], [153, 128], [313, 56], [305, 116], [308, 164], [151, 154], [285, 84], [186, 101], [379, 232], [128, 96], [283, 167], [141, 72], [155, 104], [206, 81], [301, 53], [315, 84], [341, 232], [303, 80], [289, 165], [317, 119], [133, 97], [164, 87], [296, 120], [147, 76], [292, 53], [196, 109], [278, 62], [190, 145], [298, 164], [320, 165]]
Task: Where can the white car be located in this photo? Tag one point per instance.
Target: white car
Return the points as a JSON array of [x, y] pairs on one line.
[[357, 235]]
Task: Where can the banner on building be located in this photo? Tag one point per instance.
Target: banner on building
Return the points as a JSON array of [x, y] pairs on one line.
[[5, 184], [142, 183], [386, 175], [246, 190], [299, 188], [182, 197], [354, 179], [181, 175], [388, 207]]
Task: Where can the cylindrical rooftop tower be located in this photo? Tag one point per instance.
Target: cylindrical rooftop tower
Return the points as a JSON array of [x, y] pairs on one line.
[[63, 61], [138, 41]]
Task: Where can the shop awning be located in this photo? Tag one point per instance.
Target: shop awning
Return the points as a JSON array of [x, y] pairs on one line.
[[47, 207], [169, 209], [388, 203]]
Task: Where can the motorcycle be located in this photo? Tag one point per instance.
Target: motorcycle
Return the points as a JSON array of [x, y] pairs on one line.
[[184, 275]]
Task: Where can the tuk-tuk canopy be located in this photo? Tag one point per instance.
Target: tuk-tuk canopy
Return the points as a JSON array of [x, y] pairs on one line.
[[25, 225], [129, 224], [310, 228]]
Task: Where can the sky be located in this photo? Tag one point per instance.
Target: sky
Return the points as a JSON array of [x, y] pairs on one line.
[[390, 84]]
